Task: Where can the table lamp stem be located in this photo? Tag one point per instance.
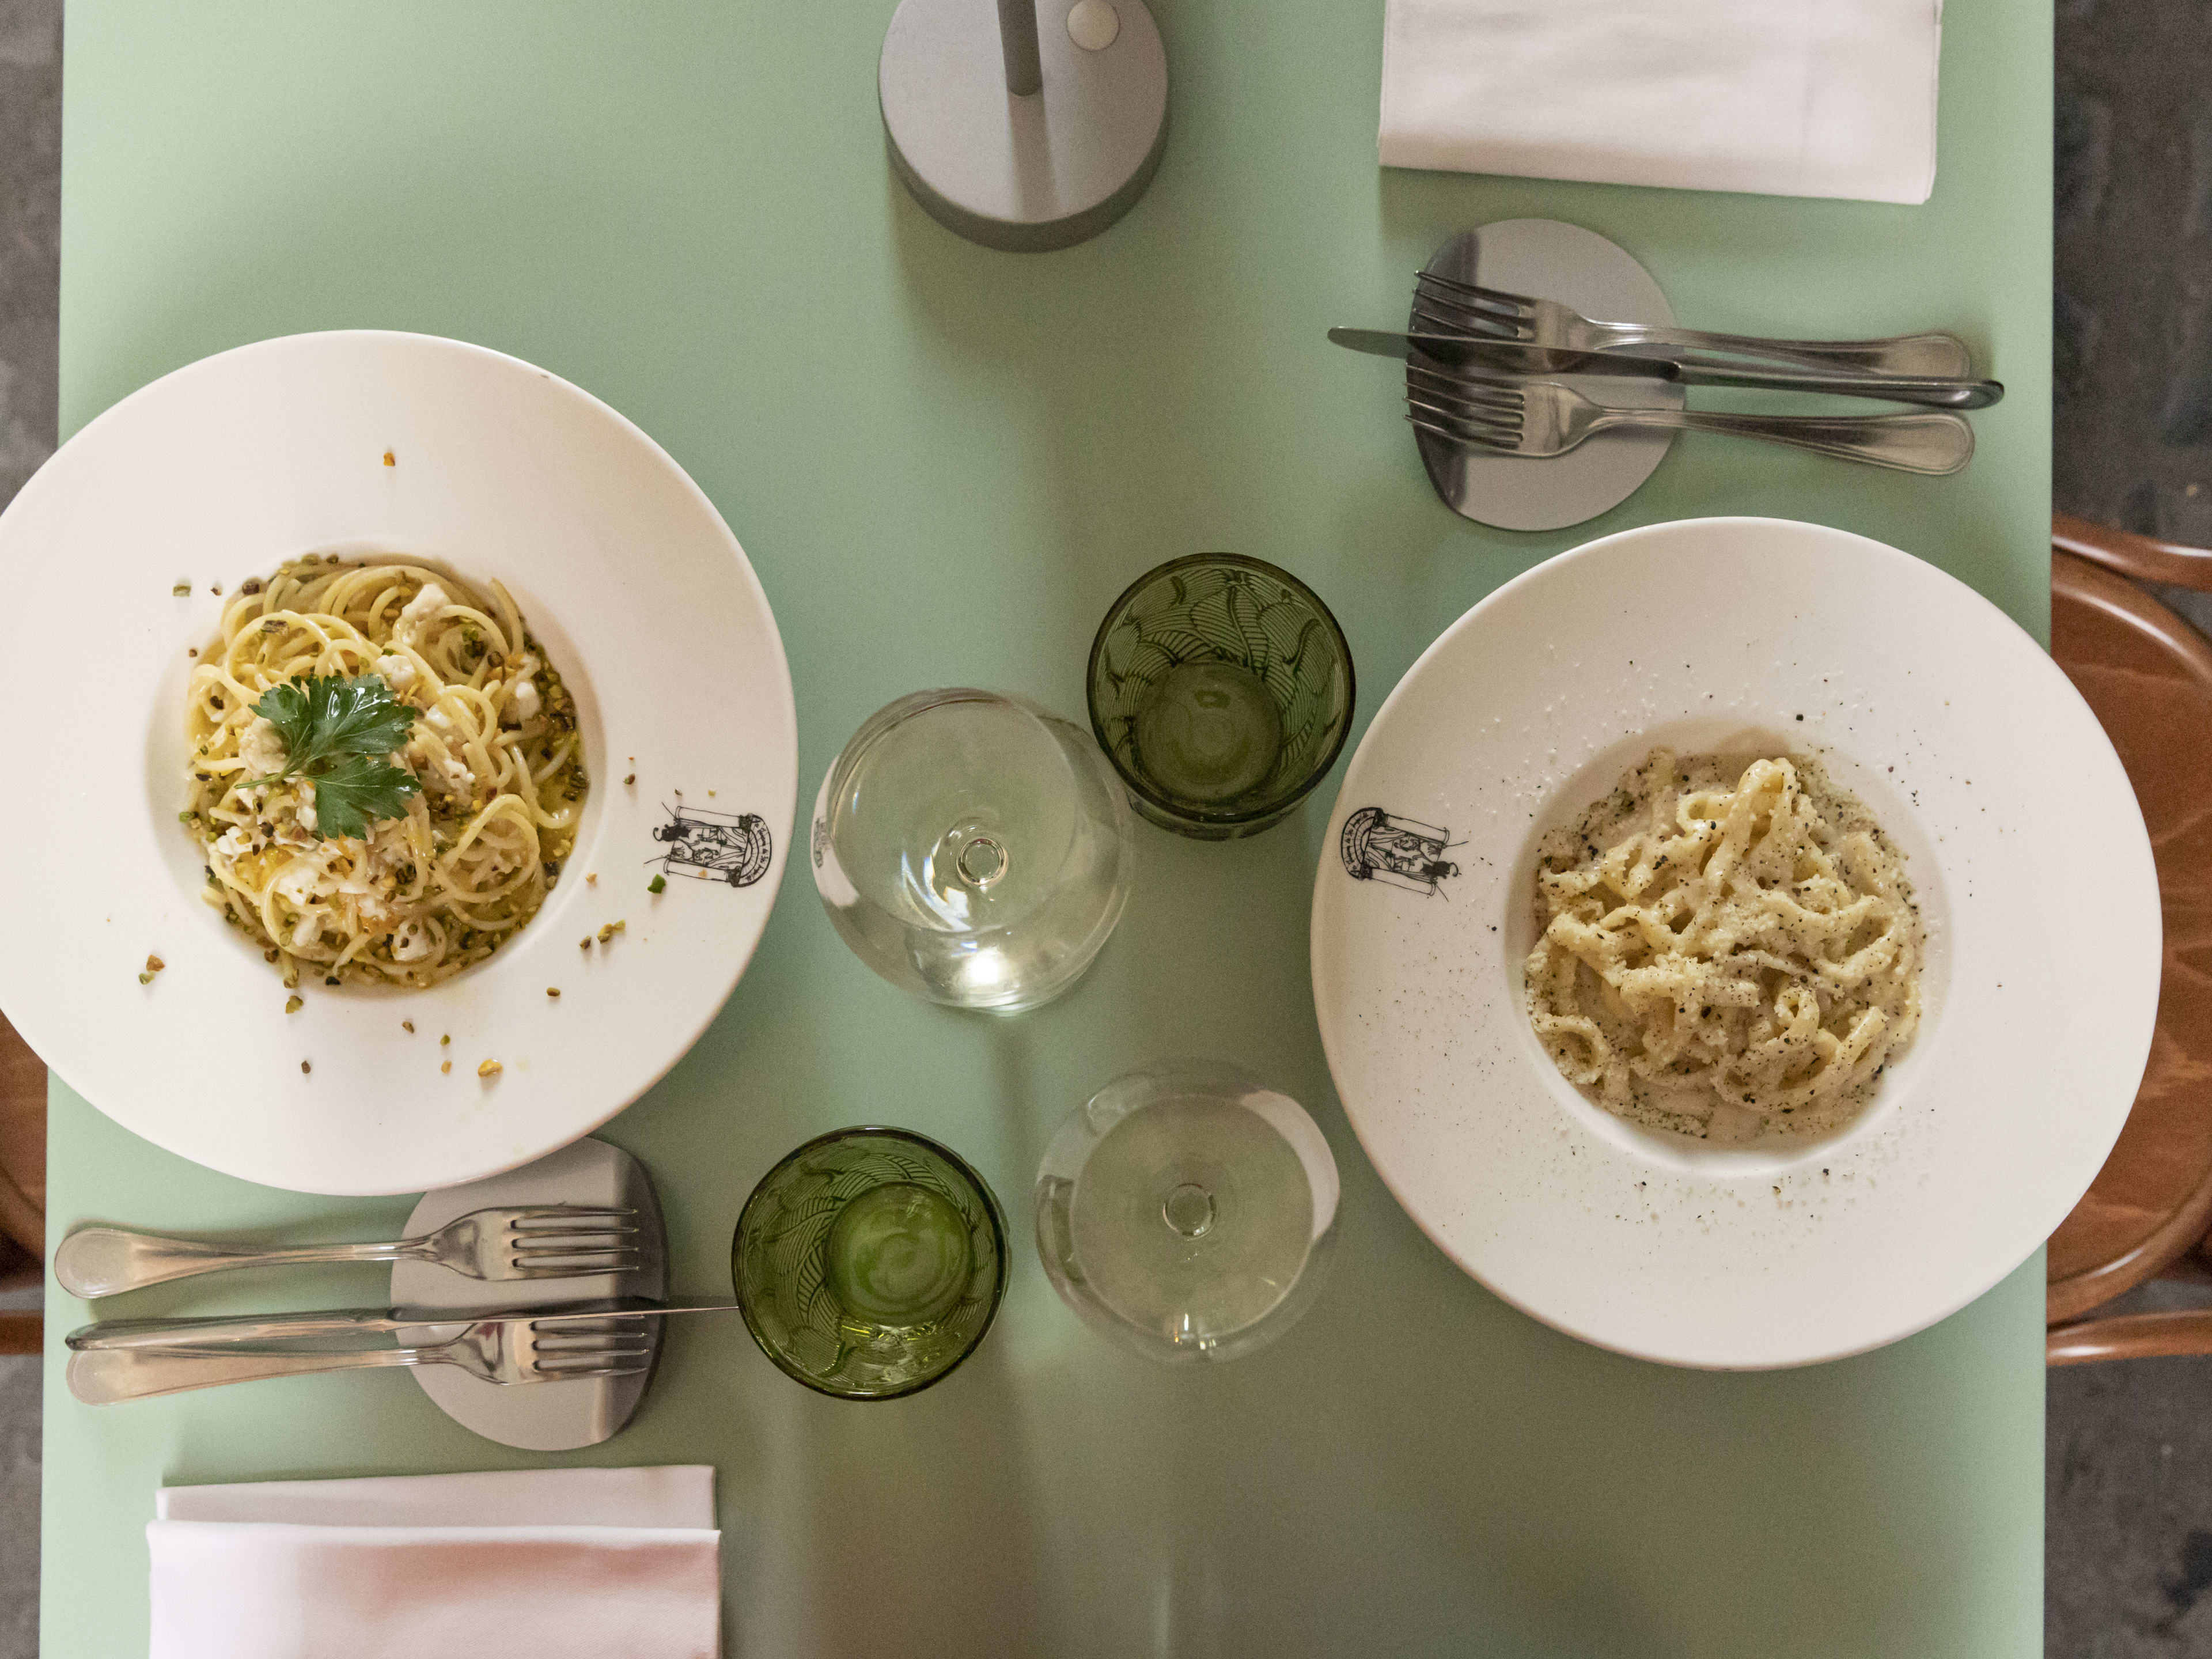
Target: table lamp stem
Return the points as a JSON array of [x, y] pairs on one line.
[[1018, 34]]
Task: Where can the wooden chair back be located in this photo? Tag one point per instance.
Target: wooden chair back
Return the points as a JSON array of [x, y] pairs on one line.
[[2148, 675], [22, 1182]]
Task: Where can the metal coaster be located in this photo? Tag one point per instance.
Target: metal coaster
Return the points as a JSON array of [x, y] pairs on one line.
[[540, 1416], [1547, 259]]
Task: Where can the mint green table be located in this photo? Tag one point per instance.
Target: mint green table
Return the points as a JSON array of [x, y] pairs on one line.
[[944, 462]]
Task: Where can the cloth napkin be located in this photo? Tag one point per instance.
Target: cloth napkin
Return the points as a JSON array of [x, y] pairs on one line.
[[550, 1563], [1781, 97]]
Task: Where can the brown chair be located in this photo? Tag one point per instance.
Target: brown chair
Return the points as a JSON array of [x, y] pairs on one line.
[[2147, 674], [23, 1183]]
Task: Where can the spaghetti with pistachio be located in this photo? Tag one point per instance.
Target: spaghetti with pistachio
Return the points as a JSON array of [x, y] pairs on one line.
[[428, 853]]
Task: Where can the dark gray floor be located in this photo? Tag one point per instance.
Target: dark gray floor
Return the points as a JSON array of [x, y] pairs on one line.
[[2129, 1492], [30, 297], [2127, 1480]]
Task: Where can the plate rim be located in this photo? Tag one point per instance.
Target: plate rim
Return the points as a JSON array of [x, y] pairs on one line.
[[2139, 849], [783, 736]]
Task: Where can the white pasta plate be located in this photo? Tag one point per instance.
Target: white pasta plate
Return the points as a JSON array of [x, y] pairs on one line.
[[2021, 838], [353, 444]]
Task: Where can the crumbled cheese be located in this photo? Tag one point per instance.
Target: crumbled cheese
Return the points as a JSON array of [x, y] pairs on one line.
[[523, 704], [398, 672], [309, 930], [308, 878], [441, 772], [419, 612], [262, 748], [304, 807], [412, 943]]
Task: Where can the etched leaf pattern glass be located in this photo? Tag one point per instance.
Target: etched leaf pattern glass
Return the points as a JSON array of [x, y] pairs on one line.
[[1222, 689], [870, 1262]]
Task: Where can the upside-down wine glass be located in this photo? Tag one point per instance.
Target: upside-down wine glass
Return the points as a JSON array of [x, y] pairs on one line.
[[972, 849], [1188, 1211]]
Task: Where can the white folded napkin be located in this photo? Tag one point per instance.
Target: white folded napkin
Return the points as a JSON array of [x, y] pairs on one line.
[[1781, 97], [561, 1563]]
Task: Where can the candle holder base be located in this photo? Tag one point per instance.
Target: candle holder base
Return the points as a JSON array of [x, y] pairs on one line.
[[1025, 173]]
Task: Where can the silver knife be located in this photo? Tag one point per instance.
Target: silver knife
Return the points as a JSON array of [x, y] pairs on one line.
[[1514, 358], [346, 1329]]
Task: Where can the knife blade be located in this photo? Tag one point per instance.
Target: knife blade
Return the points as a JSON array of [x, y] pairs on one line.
[[280, 1333], [1514, 358]]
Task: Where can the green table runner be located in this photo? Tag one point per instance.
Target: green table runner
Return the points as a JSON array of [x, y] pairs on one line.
[[944, 462]]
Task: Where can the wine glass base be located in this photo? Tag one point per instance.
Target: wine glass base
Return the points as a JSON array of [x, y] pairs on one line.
[[1187, 1211]]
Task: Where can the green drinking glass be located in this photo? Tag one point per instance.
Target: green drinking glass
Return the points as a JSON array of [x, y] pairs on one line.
[[870, 1262], [1221, 688]]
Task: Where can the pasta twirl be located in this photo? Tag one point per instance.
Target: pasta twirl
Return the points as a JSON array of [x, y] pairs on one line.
[[494, 748], [1725, 949]]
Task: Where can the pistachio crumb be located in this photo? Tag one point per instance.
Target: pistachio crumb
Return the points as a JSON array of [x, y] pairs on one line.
[[145, 979], [591, 879], [446, 1067], [154, 964], [304, 1068], [181, 589], [445, 1039], [489, 1068], [606, 932], [552, 990], [388, 460], [293, 1005], [408, 1026], [632, 778], [657, 885]]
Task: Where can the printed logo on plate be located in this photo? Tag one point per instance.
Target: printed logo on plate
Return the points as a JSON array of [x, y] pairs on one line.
[[733, 847], [1404, 852]]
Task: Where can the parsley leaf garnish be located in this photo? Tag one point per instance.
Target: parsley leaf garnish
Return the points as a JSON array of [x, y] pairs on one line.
[[356, 790], [334, 729]]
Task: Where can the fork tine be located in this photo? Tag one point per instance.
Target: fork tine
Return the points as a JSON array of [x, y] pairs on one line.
[[553, 1241], [1462, 380], [1460, 432], [1474, 414], [590, 1322], [1468, 440], [1486, 409], [580, 1269], [1517, 306], [1495, 399], [554, 1215], [586, 1347], [585, 1374], [575, 1266], [1451, 316]]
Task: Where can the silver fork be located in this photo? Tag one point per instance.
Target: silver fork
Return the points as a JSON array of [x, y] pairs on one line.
[[137, 1359], [1540, 418], [533, 1242], [1467, 307]]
